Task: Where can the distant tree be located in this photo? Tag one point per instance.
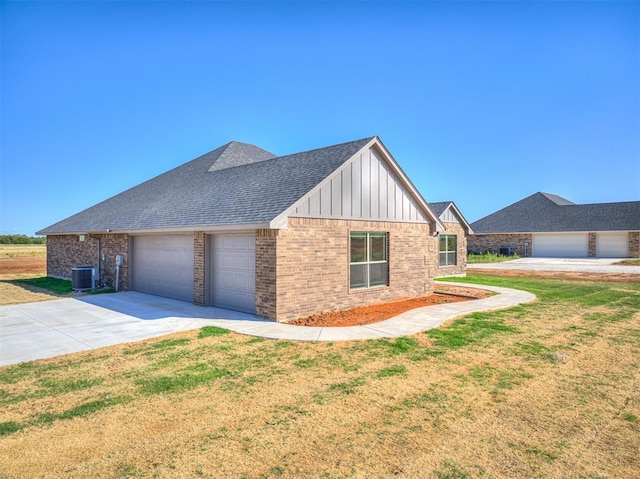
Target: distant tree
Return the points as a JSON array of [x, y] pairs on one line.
[[22, 239]]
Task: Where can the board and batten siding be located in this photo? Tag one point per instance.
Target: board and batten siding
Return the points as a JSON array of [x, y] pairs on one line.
[[449, 217], [364, 188]]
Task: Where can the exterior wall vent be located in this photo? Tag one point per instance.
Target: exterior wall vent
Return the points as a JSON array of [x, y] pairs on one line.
[[83, 278]]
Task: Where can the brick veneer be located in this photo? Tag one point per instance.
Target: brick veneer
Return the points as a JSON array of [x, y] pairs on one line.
[[493, 242], [591, 238], [460, 268], [304, 269], [66, 251], [634, 244], [199, 268]]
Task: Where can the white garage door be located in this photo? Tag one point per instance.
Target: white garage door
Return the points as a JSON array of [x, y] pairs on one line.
[[234, 272], [163, 265], [561, 245], [612, 245]]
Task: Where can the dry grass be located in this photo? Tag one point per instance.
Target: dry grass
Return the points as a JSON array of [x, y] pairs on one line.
[[549, 389], [22, 250], [22, 262]]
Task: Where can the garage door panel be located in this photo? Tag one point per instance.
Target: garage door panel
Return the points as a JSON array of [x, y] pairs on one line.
[[561, 245], [233, 272], [612, 245], [163, 265]]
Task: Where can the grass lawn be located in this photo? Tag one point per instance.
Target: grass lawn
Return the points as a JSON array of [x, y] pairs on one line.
[[549, 389], [489, 257]]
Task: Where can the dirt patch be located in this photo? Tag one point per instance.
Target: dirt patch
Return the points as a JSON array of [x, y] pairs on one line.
[[380, 312], [561, 275], [24, 264]]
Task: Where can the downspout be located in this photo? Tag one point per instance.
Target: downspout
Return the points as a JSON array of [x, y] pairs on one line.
[[99, 256]]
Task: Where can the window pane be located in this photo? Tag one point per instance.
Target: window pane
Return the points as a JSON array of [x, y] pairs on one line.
[[443, 259], [378, 246], [358, 247], [443, 243], [378, 274], [451, 258], [451, 243], [358, 276]]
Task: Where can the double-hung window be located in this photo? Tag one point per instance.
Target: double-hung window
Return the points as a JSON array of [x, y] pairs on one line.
[[368, 260], [448, 249]]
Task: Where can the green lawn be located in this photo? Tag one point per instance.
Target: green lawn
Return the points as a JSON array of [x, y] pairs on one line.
[[547, 389], [489, 258]]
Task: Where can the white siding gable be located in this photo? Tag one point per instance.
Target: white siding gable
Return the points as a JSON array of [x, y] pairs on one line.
[[364, 188], [449, 216]]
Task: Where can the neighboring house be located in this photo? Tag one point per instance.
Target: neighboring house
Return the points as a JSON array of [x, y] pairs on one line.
[[281, 237], [546, 225], [452, 243]]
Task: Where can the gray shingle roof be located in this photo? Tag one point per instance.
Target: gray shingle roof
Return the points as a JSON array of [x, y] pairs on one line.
[[542, 212], [234, 184], [439, 206]]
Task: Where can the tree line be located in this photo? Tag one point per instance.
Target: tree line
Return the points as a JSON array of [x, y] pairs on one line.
[[22, 239]]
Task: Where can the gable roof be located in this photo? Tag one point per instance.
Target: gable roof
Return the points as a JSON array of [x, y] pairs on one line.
[[543, 212], [442, 207], [236, 185]]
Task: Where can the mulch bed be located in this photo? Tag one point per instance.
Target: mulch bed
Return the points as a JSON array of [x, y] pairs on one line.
[[380, 312]]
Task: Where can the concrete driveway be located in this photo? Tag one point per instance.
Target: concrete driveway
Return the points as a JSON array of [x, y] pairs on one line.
[[50, 328], [578, 265]]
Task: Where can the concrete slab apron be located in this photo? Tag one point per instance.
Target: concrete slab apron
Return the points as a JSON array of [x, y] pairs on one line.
[[51, 328]]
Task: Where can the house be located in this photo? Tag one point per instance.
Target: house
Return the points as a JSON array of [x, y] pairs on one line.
[[281, 237], [547, 225], [452, 243]]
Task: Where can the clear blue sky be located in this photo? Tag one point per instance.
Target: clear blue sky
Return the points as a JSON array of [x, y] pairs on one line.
[[480, 102]]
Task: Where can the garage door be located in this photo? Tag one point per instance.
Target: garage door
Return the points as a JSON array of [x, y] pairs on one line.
[[564, 245], [233, 272], [163, 265], [612, 245]]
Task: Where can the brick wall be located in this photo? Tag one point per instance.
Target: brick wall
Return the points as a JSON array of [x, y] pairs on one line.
[[67, 251], [199, 268], [634, 244], [312, 266], [591, 238], [493, 242], [460, 268], [266, 273]]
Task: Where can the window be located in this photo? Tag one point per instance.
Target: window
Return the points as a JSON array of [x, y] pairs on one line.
[[448, 249], [368, 260]]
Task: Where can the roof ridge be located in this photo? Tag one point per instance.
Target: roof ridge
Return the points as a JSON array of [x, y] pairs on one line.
[[557, 199], [326, 147], [236, 153]]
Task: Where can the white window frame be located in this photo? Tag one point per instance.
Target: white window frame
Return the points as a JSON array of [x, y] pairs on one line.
[[368, 262], [446, 253]]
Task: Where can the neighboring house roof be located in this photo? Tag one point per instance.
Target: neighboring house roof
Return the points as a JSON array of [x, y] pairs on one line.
[[543, 212], [236, 185], [444, 208]]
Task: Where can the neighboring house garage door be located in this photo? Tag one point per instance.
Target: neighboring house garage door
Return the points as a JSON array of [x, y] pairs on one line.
[[163, 265], [612, 245], [233, 272], [561, 245]]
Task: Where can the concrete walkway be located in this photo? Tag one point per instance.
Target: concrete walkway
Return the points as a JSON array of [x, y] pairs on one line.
[[580, 265], [50, 328]]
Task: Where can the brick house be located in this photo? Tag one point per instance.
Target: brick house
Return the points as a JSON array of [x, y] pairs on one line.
[[547, 225], [452, 243], [280, 237]]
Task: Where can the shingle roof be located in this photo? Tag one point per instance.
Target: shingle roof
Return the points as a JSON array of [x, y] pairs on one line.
[[542, 212], [439, 206], [234, 184]]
